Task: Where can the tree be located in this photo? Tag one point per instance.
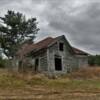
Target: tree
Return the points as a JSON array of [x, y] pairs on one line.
[[94, 60], [97, 60], [91, 60], [14, 30]]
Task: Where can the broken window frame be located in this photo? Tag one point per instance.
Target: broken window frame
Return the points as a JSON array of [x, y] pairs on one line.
[[61, 64], [61, 46]]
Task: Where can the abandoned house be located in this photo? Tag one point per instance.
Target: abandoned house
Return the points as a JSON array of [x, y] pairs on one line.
[[51, 55]]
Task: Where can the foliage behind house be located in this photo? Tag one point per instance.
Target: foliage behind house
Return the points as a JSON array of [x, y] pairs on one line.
[[94, 60]]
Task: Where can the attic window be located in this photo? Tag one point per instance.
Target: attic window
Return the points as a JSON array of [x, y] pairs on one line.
[[61, 46]]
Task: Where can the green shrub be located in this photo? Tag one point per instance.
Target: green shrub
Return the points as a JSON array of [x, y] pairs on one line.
[[94, 60], [3, 63], [91, 60]]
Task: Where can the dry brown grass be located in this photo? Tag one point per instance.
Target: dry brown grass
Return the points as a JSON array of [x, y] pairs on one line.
[[86, 73], [81, 85]]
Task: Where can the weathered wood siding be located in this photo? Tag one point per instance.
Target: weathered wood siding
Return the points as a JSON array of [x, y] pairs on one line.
[[69, 62], [82, 61], [43, 64]]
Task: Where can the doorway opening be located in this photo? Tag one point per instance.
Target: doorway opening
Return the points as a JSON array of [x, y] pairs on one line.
[[36, 64], [58, 63]]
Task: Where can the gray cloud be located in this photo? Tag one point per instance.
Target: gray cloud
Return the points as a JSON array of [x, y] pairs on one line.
[[79, 20], [84, 28]]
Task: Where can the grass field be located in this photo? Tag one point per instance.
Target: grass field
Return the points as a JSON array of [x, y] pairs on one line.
[[81, 85]]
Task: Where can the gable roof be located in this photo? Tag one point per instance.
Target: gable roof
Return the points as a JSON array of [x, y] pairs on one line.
[[43, 44], [26, 48], [79, 52]]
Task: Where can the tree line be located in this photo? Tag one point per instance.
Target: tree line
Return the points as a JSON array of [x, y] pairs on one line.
[[94, 60]]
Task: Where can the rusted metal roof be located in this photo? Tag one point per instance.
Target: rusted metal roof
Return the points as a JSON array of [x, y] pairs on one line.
[[27, 48], [79, 52]]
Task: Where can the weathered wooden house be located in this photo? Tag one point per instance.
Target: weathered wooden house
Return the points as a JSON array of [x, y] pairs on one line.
[[51, 55]]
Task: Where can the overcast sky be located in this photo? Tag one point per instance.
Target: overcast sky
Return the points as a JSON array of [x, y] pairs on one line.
[[78, 20]]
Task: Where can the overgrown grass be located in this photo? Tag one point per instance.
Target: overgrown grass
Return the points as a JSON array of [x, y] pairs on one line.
[[67, 86], [75, 80], [74, 84], [11, 82]]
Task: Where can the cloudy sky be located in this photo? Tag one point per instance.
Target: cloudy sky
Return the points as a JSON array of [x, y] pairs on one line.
[[78, 20]]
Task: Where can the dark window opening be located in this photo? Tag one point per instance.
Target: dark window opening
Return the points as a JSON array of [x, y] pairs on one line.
[[36, 64], [20, 63], [20, 66], [58, 64], [61, 46]]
